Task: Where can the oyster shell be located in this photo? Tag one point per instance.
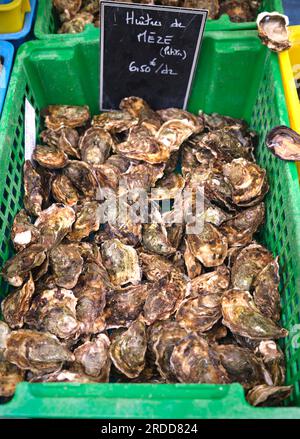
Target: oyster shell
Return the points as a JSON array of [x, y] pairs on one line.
[[33, 189], [201, 313], [63, 190], [242, 317], [273, 359], [268, 396], [266, 294], [76, 24], [15, 306], [62, 376], [247, 181], [211, 5], [82, 177], [50, 157], [239, 230], [10, 376], [123, 306], [165, 297], [214, 281], [23, 232], [209, 247], [273, 31], [178, 114], [284, 143], [121, 262], [17, 268], [139, 109], [61, 116], [54, 224], [115, 121], [243, 366], [155, 239], [92, 358], [67, 6], [164, 339], [239, 11], [127, 350], [168, 187], [95, 146], [174, 132], [247, 264], [155, 267], [141, 176], [193, 266], [65, 139], [88, 216], [194, 361], [36, 351], [66, 264], [128, 233], [4, 333], [141, 147], [54, 311]]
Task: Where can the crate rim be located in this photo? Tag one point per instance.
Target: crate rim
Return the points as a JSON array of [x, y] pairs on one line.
[[45, 397]]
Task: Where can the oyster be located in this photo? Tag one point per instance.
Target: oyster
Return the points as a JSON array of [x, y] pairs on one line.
[[76, 24], [243, 366], [67, 6], [18, 267], [62, 376], [284, 143], [247, 181], [155, 267], [23, 232], [273, 359], [174, 132], [146, 148], [50, 157], [10, 376], [165, 297], [82, 177], [61, 116], [139, 109], [273, 30], [247, 264], [127, 350], [214, 281], [178, 114], [123, 306], [65, 139], [36, 351], [266, 294], [155, 239], [164, 339], [242, 317], [54, 224], [64, 191], [121, 262], [239, 230], [168, 187], [128, 233], [33, 189], [15, 306], [141, 176], [66, 264], [194, 361], [268, 396], [92, 358], [201, 313], [95, 146], [88, 216], [193, 266], [4, 333], [211, 5], [209, 247], [239, 11], [115, 121], [54, 311]]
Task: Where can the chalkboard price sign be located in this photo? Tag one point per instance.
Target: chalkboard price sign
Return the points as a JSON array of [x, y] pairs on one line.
[[148, 51]]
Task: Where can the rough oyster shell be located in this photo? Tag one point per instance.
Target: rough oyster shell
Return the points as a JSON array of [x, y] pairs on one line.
[[88, 216], [50, 157], [242, 317], [194, 361], [121, 262], [268, 396], [66, 264], [10, 376], [284, 143], [273, 359], [82, 177], [54, 224], [127, 350], [92, 358], [64, 191], [214, 281], [115, 121], [95, 146], [15, 306], [72, 116], [76, 24], [36, 351], [17, 268], [155, 267], [33, 189], [23, 232]]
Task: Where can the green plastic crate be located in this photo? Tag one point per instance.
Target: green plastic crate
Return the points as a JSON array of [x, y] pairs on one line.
[[237, 76], [47, 23]]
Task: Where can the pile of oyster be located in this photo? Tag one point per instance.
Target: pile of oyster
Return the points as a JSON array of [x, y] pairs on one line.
[[74, 15], [129, 300]]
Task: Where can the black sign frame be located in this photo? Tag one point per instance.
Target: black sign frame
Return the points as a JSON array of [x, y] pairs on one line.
[[133, 6]]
